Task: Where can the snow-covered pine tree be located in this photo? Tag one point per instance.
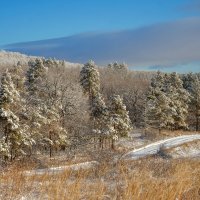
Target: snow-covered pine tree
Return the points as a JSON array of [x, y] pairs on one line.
[[44, 110], [89, 79], [119, 116], [157, 80], [195, 99], [187, 81], [55, 136], [120, 67], [35, 103], [35, 74], [179, 99], [99, 110], [99, 114], [118, 123], [49, 63], [17, 75], [158, 111], [13, 136], [191, 84]]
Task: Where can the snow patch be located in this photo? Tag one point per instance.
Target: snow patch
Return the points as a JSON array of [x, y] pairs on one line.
[[56, 170], [154, 148]]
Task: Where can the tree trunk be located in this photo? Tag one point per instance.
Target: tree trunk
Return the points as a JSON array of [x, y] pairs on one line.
[[50, 147], [100, 141], [113, 144]]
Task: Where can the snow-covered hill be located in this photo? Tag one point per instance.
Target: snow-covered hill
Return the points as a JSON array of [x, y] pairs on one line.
[[8, 59], [12, 58]]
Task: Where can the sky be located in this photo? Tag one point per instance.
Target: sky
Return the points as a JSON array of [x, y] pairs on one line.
[[32, 20], [29, 20]]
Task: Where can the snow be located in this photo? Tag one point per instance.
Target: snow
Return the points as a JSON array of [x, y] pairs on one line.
[[56, 170], [153, 148], [9, 58], [189, 151]]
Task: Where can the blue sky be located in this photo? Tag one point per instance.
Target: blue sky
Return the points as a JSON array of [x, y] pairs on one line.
[[29, 20], [161, 33]]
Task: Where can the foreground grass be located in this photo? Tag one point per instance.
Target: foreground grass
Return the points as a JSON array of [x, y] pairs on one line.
[[150, 178]]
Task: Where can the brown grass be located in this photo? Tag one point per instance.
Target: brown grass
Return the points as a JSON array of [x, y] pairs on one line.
[[148, 179]]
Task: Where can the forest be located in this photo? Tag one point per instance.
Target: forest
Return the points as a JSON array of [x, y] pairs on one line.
[[47, 108]]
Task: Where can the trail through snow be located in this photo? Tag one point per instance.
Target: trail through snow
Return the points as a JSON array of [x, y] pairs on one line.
[[56, 170], [154, 148], [150, 149]]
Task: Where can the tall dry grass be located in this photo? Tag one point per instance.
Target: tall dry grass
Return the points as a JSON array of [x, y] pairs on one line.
[[148, 179]]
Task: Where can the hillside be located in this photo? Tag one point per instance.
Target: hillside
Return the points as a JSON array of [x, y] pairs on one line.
[[8, 59]]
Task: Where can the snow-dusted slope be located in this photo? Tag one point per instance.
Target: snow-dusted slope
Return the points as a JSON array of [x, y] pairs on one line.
[[56, 170], [8, 59], [164, 144]]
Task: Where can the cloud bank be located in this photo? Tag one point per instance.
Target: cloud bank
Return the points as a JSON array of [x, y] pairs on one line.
[[164, 44], [191, 6]]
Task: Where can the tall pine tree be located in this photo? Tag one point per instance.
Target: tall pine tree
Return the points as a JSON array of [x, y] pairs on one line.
[[119, 116], [13, 135], [89, 79], [195, 100], [179, 100], [158, 111]]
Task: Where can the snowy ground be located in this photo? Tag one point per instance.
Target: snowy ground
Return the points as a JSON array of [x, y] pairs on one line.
[[155, 147], [191, 150], [150, 149], [56, 170]]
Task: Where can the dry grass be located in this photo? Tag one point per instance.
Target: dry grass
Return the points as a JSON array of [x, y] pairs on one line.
[[152, 178], [155, 177]]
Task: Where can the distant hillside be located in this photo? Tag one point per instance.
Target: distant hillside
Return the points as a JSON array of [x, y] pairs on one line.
[[8, 59], [12, 58]]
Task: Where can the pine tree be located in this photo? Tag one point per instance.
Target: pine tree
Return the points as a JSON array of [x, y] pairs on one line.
[[50, 63], [187, 81], [44, 113], [56, 136], [158, 80], [35, 104], [195, 99], [120, 67], [158, 113], [99, 110], [179, 97], [191, 84], [99, 114], [158, 110], [35, 74], [13, 135], [89, 79], [17, 75], [119, 117]]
